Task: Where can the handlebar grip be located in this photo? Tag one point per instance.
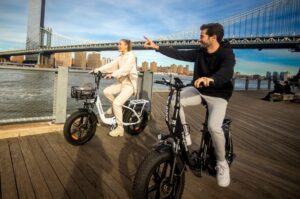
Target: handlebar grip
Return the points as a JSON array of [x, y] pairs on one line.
[[159, 82]]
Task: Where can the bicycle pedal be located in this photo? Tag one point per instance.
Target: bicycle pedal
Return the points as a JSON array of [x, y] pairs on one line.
[[113, 127]]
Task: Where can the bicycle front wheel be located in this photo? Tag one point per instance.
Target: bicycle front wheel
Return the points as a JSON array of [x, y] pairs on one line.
[[152, 179], [80, 127]]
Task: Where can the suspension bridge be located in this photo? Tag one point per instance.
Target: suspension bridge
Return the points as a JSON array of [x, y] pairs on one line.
[[274, 25]]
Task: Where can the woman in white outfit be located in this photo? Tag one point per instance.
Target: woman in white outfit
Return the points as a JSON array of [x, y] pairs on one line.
[[124, 69]]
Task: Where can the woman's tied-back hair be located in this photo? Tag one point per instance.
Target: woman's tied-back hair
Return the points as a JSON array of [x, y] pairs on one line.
[[214, 29], [128, 42]]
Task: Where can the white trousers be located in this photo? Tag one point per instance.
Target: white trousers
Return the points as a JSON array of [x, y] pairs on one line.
[[190, 96], [125, 92]]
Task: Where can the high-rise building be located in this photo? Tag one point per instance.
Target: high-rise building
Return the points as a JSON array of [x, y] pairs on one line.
[[80, 60], [145, 66], [105, 60], [180, 70], [17, 59], [173, 68], [63, 59], [187, 68], [153, 67], [268, 75], [36, 15], [275, 75], [93, 61], [284, 76]]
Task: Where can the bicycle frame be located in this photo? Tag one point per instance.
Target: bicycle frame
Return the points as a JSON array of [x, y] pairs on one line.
[[112, 120]]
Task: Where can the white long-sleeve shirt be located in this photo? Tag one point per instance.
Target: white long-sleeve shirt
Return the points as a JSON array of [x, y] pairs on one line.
[[123, 68]]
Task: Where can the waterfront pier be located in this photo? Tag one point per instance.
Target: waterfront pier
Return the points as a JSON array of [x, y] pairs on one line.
[[266, 142]]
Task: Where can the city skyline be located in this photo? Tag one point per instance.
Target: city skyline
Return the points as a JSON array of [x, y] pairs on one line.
[[112, 20], [90, 60]]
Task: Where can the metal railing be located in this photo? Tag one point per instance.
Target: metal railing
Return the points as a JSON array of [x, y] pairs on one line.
[[52, 98]]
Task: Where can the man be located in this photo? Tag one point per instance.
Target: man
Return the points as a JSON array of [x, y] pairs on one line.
[[213, 71]]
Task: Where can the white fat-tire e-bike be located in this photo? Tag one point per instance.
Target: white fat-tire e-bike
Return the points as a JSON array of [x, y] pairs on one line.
[[81, 125]]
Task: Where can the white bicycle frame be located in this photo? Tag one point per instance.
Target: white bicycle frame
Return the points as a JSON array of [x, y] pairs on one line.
[[131, 106]]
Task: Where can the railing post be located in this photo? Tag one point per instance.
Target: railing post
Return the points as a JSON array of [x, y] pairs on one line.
[[146, 88], [233, 83], [246, 84], [269, 83], [60, 94], [258, 84]]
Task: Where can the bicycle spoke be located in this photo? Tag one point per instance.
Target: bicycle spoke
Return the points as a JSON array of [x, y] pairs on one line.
[[157, 178], [153, 188], [164, 171]]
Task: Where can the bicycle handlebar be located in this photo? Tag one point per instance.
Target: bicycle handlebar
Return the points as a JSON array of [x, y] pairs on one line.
[[178, 83]]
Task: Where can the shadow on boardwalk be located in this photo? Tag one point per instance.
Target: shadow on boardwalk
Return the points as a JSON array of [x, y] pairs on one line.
[[266, 141]]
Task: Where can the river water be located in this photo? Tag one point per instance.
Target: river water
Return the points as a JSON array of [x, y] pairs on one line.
[[25, 93]]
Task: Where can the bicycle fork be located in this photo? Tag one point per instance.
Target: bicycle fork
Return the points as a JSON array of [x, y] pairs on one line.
[[176, 148]]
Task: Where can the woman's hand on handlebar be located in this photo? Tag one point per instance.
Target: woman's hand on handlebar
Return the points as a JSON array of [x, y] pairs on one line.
[[203, 81], [94, 71]]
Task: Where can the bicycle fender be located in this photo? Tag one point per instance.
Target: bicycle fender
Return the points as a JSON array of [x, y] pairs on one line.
[[162, 147]]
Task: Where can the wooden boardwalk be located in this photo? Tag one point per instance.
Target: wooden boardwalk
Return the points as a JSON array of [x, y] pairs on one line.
[[266, 140]]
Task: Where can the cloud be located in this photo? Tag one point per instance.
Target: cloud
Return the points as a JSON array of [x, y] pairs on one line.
[[111, 20]]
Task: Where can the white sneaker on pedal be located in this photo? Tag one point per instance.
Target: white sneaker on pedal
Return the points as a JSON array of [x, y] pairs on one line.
[[119, 131], [223, 173]]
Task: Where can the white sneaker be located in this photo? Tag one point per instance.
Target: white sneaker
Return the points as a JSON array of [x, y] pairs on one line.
[[223, 174], [119, 131]]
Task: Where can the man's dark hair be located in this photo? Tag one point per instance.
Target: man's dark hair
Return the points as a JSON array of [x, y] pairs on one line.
[[214, 29]]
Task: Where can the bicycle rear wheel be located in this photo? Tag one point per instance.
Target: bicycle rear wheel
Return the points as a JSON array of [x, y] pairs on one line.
[[138, 128]]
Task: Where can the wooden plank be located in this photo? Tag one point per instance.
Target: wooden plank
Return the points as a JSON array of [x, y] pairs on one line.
[[76, 171], [8, 184], [266, 141], [94, 174], [55, 186], [70, 186], [262, 135], [38, 182], [24, 184], [93, 156]]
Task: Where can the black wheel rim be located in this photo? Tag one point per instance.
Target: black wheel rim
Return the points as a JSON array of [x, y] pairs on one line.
[[159, 185], [137, 127], [80, 128]]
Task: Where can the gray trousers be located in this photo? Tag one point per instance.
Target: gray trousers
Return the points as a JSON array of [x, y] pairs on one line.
[[190, 96]]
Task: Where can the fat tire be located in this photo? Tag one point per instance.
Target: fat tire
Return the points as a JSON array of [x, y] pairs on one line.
[[68, 125], [145, 170]]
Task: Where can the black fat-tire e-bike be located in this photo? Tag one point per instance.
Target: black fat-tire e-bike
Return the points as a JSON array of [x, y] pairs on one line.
[[162, 172]]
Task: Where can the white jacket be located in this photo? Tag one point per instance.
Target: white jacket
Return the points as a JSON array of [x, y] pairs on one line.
[[123, 68]]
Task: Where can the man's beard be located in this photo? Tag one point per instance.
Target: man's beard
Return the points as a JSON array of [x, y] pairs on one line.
[[204, 45]]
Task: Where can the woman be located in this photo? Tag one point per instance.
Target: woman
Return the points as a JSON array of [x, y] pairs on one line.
[[123, 68]]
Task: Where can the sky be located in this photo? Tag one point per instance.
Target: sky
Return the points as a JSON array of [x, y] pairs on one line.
[[111, 20]]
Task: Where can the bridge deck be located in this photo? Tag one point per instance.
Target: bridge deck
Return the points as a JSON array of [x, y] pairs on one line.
[[266, 140]]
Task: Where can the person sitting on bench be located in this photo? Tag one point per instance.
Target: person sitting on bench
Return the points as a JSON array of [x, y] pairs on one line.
[[278, 88]]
